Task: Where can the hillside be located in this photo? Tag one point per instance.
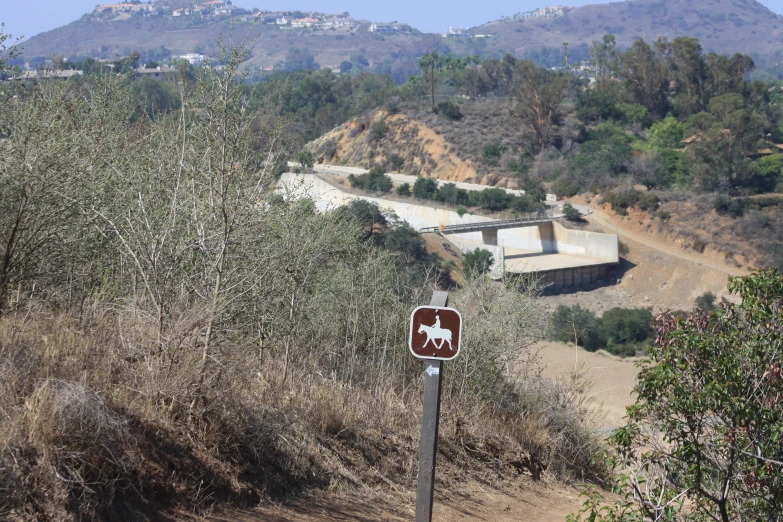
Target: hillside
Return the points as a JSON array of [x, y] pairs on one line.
[[417, 141], [724, 26], [100, 38]]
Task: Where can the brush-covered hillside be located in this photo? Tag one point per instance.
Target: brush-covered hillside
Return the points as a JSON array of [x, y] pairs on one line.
[[477, 147], [722, 26]]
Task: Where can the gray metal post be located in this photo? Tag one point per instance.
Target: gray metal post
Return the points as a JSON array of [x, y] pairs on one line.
[[428, 444]]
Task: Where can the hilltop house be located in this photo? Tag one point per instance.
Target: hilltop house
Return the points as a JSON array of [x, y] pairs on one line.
[[382, 28], [282, 21], [185, 11], [336, 22], [304, 22], [218, 7], [454, 32], [548, 12], [193, 58]]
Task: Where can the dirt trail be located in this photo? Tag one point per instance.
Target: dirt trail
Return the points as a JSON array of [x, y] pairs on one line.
[[601, 219], [523, 501]]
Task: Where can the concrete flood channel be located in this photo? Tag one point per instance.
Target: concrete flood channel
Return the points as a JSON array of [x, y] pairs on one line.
[[558, 255]]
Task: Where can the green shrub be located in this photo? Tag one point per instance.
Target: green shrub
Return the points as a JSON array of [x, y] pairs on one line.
[[374, 181], [576, 323], [449, 193], [395, 162], [525, 203], [404, 190], [619, 331], [664, 215], [495, 199], [566, 188], [478, 261], [726, 206], [633, 198], [492, 152], [633, 112], [736, 207], [449, 109], [461, 211], [627, 329], [378, 129], [571, 214], [425, 188]]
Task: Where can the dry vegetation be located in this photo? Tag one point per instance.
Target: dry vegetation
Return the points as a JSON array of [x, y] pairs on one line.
[[170, 336]]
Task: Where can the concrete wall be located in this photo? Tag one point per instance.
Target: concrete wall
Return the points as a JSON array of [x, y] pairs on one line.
[[549, 238], [583, 243], [418, 216], [574, 277]]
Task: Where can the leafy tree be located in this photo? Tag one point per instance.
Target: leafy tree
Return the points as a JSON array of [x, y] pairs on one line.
[[606, 149], [368, 216], [378, 129], [767, 173], [666, 134], [449, 109], [374, 181], [688, 71], [478, 261], [305, 158], [604, 56], [596, 105], [703, 441], [449, 193], [578, 325], [6, 55], [425, 188], [495, 199], [404, 190], [299, 58], [634, 113], [646, 75], [541, 91], [627, 329], [570, 213], [493, 151]]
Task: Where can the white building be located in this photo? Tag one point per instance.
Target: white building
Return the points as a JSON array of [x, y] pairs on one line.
[[193, 58], [455, 31]]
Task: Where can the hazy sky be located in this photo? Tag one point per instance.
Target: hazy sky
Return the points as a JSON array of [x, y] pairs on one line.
[[30, 17]]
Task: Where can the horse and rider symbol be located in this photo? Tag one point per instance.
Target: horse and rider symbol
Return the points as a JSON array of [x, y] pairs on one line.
[[435, 332]]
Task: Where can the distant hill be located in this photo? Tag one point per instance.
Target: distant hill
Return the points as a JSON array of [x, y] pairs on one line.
[[724, 26]]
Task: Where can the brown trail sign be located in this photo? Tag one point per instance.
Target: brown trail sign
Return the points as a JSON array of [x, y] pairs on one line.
[[434, 335]]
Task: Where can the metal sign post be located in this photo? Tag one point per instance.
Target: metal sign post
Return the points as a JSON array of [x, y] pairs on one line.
[[434, 336]]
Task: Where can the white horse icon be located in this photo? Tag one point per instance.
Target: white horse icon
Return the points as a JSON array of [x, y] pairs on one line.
[[435, 332]]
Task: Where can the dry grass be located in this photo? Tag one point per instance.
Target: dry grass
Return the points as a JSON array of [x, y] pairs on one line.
[[94, 429]]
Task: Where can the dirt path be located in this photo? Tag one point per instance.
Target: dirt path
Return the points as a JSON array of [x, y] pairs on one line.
[[611, 379], [522, 501], [601, 219]]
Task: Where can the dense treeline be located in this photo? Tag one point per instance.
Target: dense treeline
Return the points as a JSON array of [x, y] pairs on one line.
[[664, 114]]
